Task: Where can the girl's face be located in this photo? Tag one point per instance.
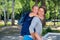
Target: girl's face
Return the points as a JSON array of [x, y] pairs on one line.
[[41, 11], [35, 9]]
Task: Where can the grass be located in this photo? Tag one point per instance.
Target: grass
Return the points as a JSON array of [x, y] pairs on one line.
[[2, 24], [52, 23], [8, 23], [47, 24]]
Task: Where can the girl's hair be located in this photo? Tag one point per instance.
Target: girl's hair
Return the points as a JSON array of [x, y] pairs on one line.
[[43, 8], [34, 6]]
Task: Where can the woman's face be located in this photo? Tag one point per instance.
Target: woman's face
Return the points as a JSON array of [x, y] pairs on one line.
[[41, 11], [35, 9]]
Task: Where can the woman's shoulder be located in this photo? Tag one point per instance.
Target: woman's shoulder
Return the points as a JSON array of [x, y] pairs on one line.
[[36, 19]]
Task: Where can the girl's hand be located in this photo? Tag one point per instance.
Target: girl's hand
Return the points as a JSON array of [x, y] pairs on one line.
[[35, 15], [41, 17], [38, 37]]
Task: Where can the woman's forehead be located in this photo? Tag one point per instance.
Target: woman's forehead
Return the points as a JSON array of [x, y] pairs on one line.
[[41, 9]]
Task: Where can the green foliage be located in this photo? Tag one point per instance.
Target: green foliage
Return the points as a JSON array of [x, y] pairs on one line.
[[53, 7], [45, 31], [48, 29], [18, 7], [47, 15], [31, 3]]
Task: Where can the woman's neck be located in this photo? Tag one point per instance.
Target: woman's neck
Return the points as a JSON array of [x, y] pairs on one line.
[[41, 17]]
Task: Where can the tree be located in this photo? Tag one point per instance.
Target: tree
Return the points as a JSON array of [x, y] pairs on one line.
[[25, 6], [1, 8], [7, 10], [0, 16], [36, 2], [56, 10], [4, 10], [0, 13], [13, 4]]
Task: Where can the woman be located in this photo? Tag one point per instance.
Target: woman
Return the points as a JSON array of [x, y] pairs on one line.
[[37, 24], [27, 21]]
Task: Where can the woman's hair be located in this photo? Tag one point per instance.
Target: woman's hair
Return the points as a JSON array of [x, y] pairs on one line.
[[34, 6], [43, 8]]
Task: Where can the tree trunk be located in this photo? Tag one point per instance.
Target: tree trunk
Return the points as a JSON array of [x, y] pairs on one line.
[[36, 2], [0, 16], [43, 2], [4, 12], [13, 3], [5, 17], [55, 14], [8, 12]]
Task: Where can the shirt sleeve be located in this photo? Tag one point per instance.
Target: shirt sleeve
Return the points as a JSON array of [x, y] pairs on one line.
[[33, 24]]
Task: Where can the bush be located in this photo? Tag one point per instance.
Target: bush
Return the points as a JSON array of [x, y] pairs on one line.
[[49, 30], [44, 32]]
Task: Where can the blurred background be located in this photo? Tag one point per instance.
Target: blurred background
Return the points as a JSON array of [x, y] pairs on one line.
[[11, 11]]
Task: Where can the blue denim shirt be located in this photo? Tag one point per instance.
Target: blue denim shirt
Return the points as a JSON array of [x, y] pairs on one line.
[[25, 26]]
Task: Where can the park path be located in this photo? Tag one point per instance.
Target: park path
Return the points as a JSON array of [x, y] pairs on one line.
[[11, 38], [11, 33]]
